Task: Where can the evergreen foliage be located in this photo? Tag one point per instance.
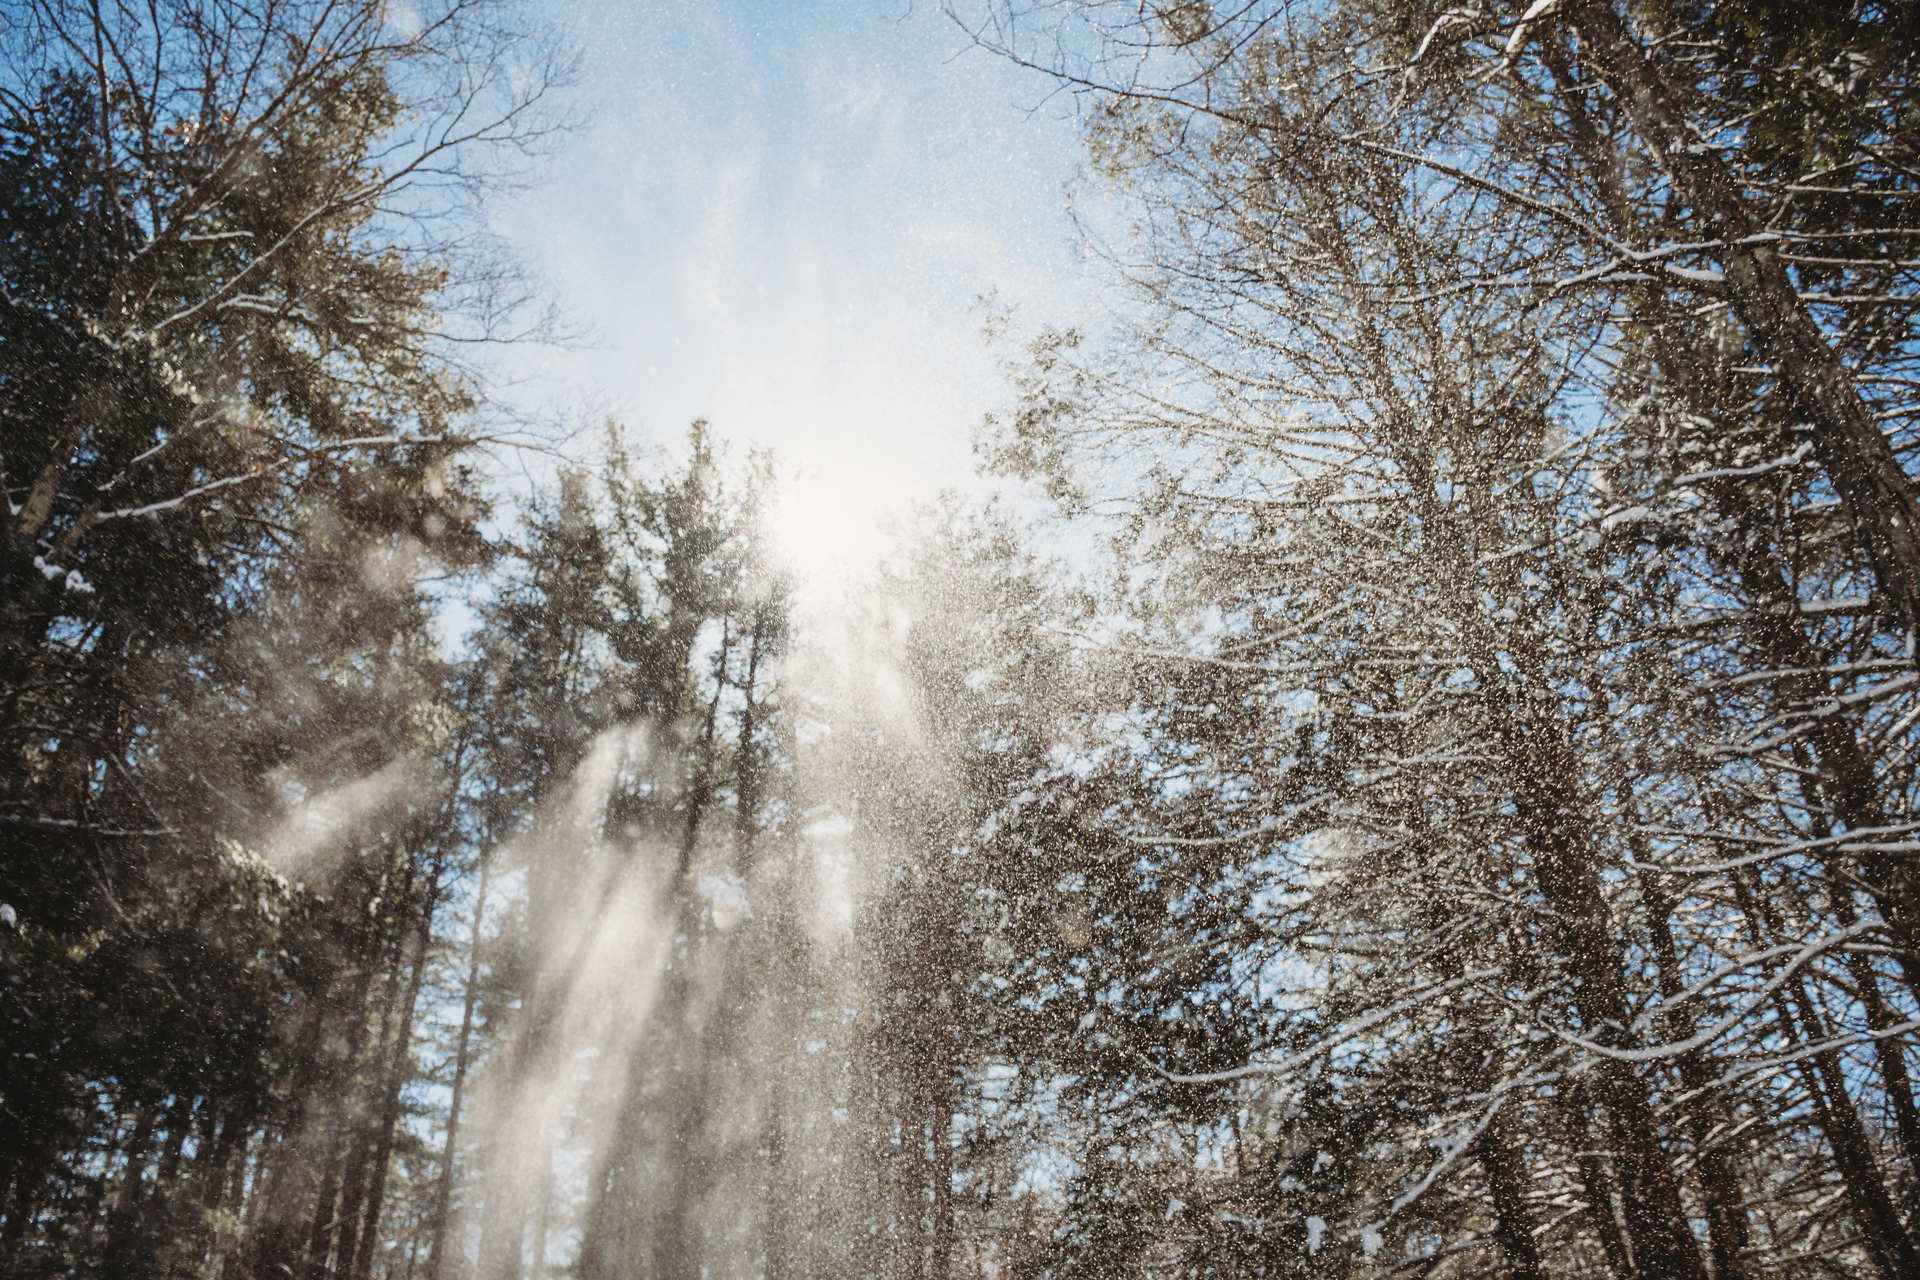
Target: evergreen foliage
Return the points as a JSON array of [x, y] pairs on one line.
[[1461, 823]]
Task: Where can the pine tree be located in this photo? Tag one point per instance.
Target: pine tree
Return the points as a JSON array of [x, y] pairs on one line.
[[232, 439], [1455, 702]]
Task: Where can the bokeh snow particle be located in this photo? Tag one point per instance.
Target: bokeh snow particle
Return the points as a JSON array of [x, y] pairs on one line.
[[726, 899]]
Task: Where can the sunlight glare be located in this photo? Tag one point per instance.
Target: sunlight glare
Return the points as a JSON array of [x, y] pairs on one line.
[[830, 527]]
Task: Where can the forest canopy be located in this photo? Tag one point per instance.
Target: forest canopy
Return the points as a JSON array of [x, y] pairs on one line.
[[1460, 819]]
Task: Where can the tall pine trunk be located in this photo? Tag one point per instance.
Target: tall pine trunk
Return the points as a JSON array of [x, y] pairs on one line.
[[441, 1222], [1853, 452], [356, 1253]]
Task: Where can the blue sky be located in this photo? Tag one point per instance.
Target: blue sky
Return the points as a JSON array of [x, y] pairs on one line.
[[780, 218]]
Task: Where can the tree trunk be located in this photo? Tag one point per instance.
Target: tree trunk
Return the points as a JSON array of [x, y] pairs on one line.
[[746, 765], [1506, 1179], [124, 1217], [1855, 455], [1847, 777], [1882, 1234], [273, 1234], [1872, 1209], [443, 1189], [1728, 1233], [1597, 1185], [1541, 774], [358, 1264], [1543, 770], [179, 1119], [700, 794], [348, 1129], [699, 1032], [1889, 1051], [373, 1139], [360, 1156], [776, 1197]]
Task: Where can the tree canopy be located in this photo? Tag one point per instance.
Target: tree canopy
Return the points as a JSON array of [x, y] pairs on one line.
[[1453, 813]]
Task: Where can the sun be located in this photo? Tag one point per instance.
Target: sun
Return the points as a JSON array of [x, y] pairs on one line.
[[828, 527]]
